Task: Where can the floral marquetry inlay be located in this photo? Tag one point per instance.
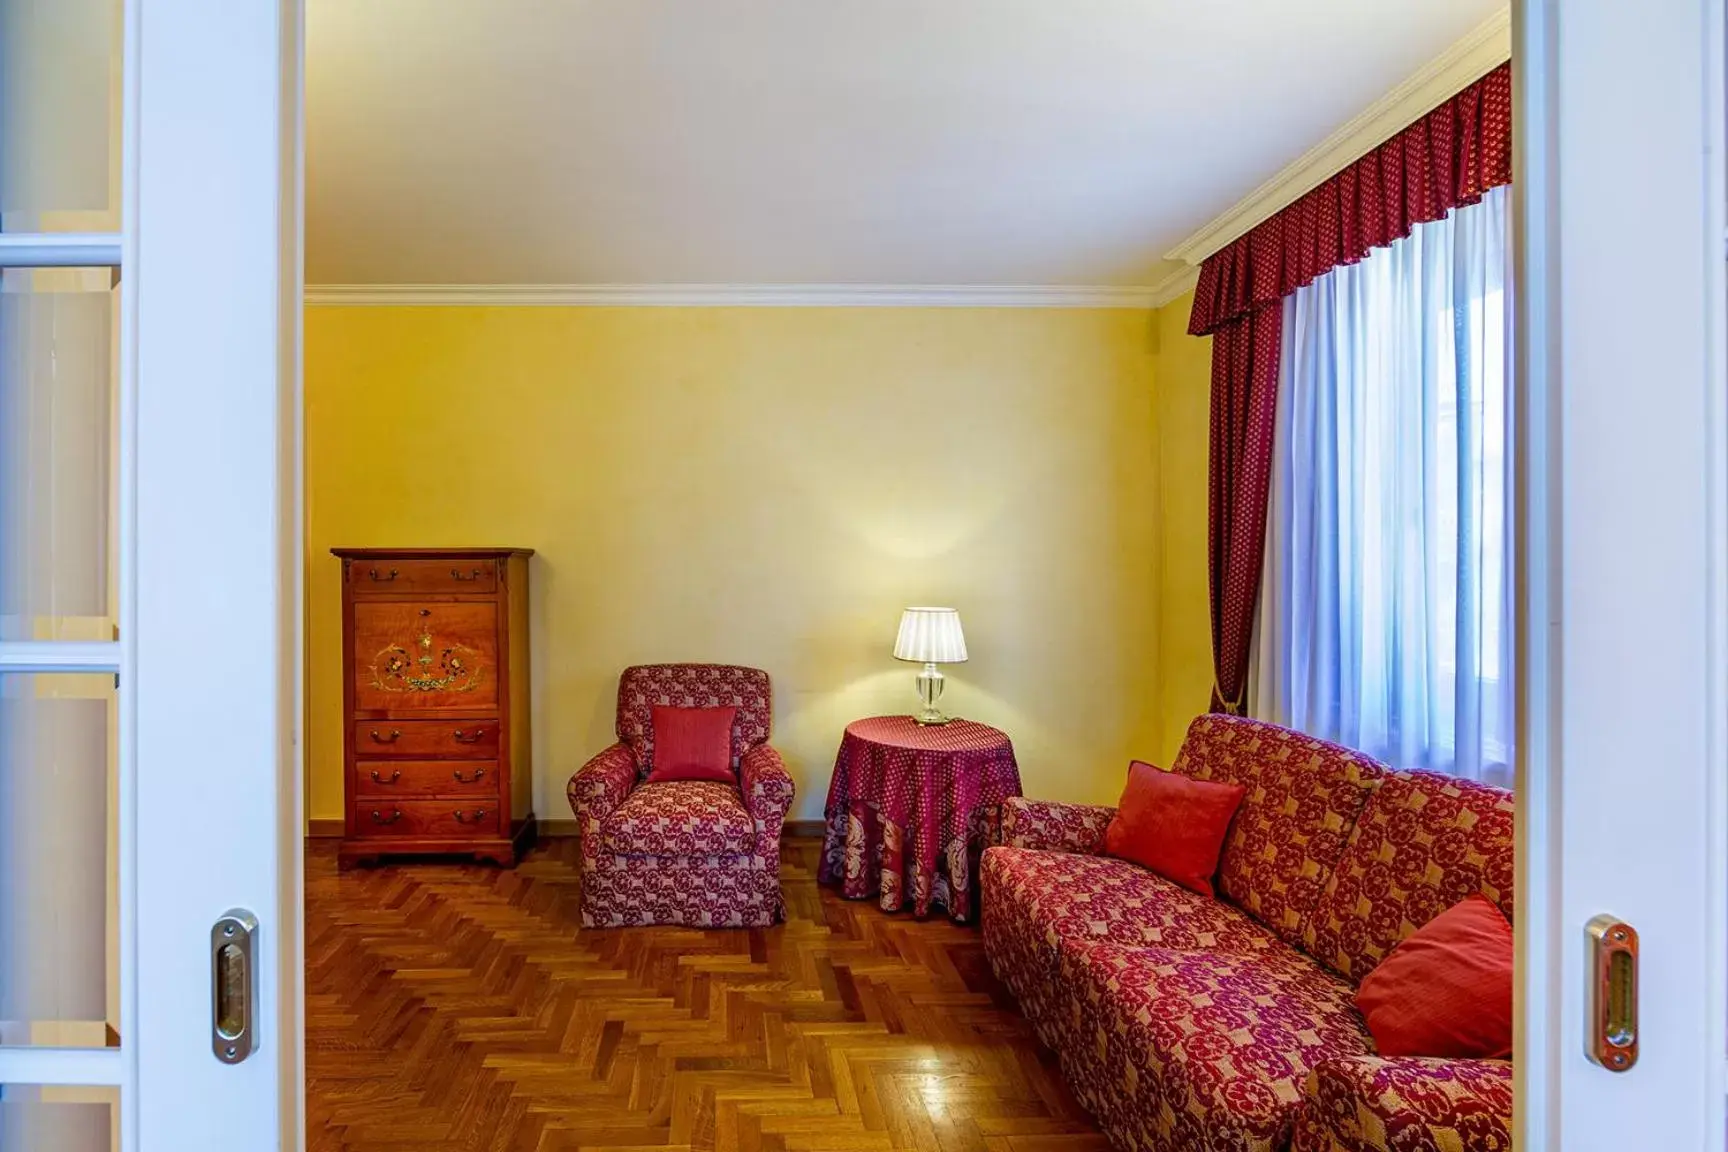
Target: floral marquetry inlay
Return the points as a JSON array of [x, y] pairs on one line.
[[430, 667]]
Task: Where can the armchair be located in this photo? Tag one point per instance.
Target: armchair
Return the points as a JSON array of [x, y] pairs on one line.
[[695, 853]]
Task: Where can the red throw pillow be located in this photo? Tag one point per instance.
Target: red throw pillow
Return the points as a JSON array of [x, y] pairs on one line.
[[1445, 990], [692, 744], [1173, 825]]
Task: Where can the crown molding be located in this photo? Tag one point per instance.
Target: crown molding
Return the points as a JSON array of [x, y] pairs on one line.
[[1482, 50], [735, 295], [1177, 282]]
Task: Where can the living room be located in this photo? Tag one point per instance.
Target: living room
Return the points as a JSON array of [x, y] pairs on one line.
[[742, 418]]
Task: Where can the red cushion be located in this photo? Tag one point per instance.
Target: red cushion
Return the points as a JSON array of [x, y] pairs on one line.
[[692, 744], [1445, 990], [1173, 825]]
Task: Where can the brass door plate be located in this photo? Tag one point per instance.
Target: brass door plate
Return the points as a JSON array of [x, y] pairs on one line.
[[1611, 1030]]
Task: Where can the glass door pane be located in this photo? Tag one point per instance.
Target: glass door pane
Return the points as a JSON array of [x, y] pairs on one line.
[[58, 448], [59, 909], [60, 100], [42, 1118]]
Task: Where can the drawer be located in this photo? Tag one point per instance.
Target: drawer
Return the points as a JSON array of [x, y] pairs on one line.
[[395, 577], [475, 780], [411, 655], [465, 738], [376, 817]]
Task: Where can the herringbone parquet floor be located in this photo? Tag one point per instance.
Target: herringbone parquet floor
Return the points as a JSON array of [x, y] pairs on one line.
[[455, 1006]]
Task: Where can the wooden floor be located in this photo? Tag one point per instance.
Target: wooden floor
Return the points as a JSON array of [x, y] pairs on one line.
[[456, 1006]]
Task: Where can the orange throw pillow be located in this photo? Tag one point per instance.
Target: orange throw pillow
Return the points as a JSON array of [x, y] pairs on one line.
[[1173, 825], [1446, 989], [692, 744]]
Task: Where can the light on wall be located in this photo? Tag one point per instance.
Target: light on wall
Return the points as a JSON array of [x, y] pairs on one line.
[[930, 636]]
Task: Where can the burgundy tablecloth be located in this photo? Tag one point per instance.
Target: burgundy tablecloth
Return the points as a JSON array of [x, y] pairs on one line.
[[908, 808]]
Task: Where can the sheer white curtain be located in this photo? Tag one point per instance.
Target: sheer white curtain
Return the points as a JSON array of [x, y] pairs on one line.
[[1385, 618]]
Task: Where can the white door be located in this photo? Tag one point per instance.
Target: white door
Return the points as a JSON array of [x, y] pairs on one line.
[[1624, 434], [149, 558]]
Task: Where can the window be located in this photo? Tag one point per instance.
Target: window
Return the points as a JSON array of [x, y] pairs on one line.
[[1385, 613]]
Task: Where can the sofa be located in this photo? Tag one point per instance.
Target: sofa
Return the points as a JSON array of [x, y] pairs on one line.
[[693, 852], [1186, 1023]]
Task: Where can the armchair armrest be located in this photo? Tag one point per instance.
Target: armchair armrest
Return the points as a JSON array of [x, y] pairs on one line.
[[600, 786], [1054, 827], [767, 788], [1388, 1104]]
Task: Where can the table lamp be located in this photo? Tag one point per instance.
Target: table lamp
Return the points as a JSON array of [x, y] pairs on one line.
[[930, 636]]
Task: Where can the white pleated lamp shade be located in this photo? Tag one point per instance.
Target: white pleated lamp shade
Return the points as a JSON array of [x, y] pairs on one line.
[[930, 635]]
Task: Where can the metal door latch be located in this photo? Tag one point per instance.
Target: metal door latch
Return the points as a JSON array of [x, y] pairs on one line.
[[233, 985]]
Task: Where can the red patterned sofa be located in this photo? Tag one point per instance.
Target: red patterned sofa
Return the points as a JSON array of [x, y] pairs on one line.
[[688, 852], [1229, 1025]]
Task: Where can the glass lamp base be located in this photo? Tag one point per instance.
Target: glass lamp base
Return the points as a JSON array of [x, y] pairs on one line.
[[930, 685]]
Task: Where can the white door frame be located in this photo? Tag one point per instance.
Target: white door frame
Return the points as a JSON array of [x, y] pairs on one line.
[[1622, 433], [215, 301]]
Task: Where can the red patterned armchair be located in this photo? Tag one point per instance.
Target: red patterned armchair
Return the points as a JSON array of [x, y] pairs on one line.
[[687, 852]]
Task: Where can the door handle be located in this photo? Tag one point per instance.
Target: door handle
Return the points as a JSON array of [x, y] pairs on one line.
[[233, 985], [1611, 1030]]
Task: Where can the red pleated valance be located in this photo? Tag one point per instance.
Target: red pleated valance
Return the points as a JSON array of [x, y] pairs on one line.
[[1449, 157]]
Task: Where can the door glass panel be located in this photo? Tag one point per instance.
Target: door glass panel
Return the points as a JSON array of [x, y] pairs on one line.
[[59, 854], [57, 1118], [59, 364], [60, 121]]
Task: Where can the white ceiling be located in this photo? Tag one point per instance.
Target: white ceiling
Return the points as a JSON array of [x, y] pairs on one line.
[[976, 142]]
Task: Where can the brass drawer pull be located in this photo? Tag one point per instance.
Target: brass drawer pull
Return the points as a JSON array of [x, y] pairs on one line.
[[469, 735], [456, 574], [379, 817], [475, 779], [395, 735], [462, 817], [382, 579], [394, 776]]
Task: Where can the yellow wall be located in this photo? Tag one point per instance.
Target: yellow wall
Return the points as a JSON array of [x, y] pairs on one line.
[[1182, 368], [770, 487]]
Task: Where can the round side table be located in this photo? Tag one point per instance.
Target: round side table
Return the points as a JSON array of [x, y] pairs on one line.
[[908, 809]]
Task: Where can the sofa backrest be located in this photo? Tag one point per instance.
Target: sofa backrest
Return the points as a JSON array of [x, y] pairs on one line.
[[642, 686], [1423, 843], [1303, 797]]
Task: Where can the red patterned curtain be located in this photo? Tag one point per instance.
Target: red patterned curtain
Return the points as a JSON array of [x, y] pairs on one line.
[[1448, 158]]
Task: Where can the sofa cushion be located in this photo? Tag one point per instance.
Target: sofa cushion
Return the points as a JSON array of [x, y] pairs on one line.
[[1303, 797], [692, 744], [1033, 900], [1173, 824], [1446, 989], [681, 818], [1184, 1050], [1424, 843]]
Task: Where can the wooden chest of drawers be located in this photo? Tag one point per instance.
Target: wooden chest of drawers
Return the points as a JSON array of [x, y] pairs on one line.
[[436, 697]]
